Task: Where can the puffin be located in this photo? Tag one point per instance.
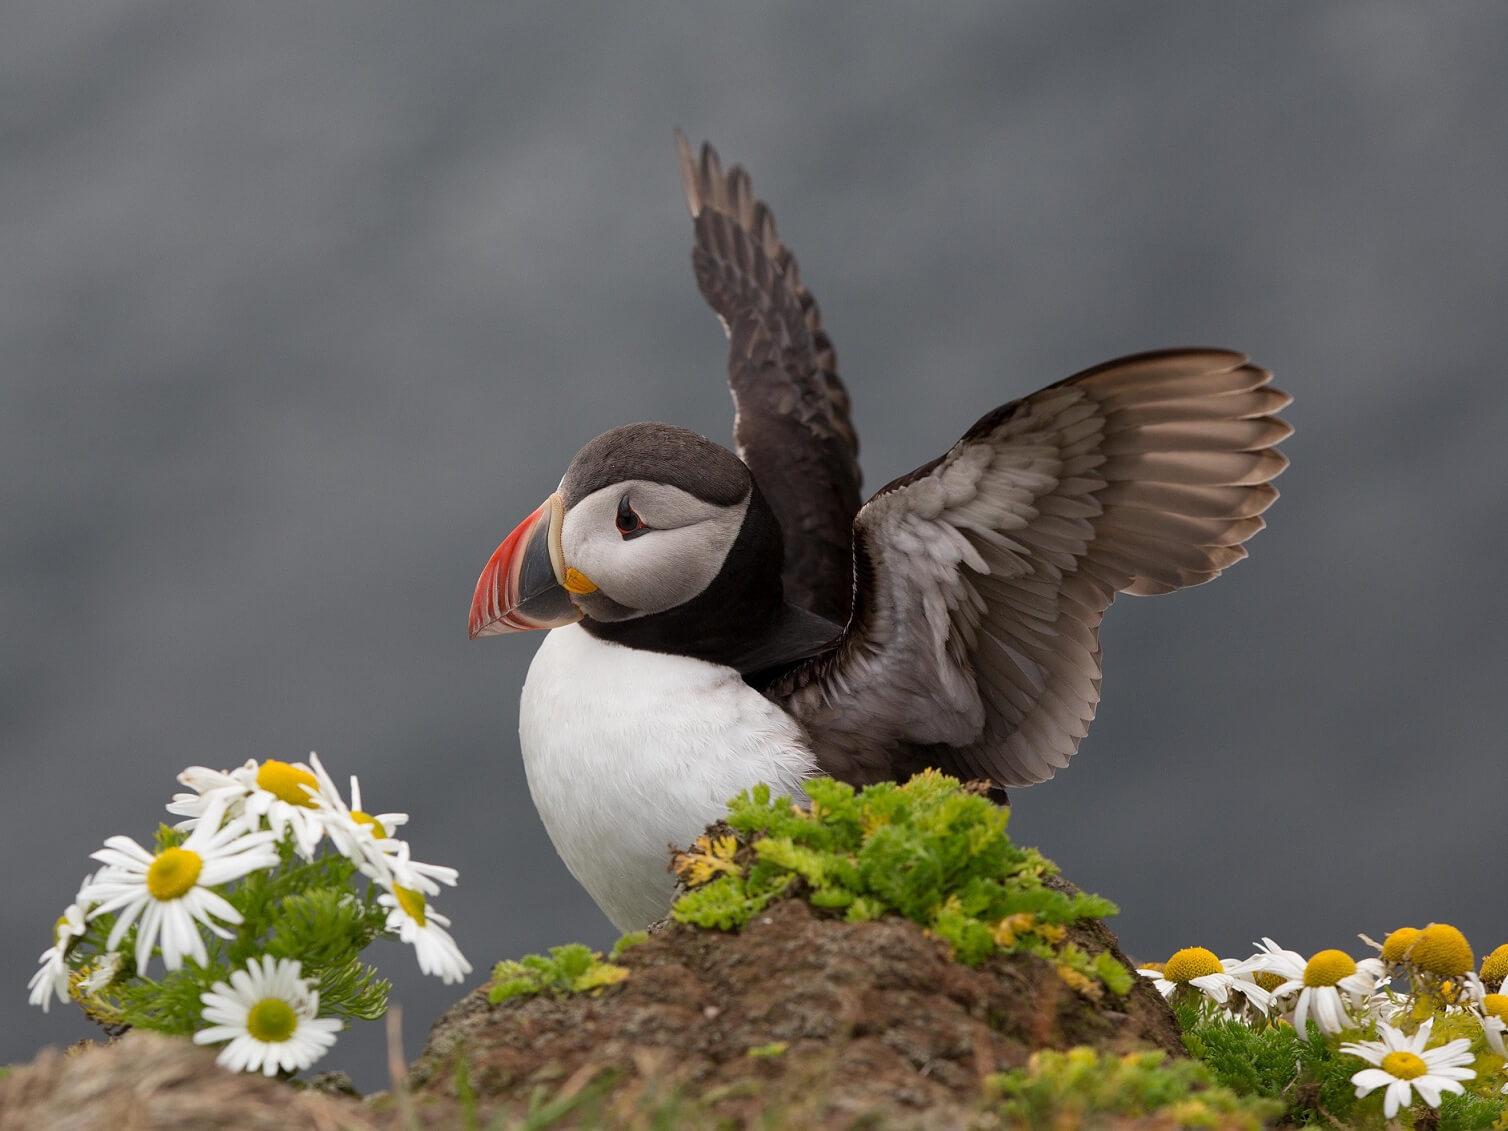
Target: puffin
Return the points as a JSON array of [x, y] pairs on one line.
[[715, 620]]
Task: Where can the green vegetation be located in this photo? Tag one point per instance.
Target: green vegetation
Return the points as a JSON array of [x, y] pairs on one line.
[[936, 852], [1081, 1088], [569, 969], [244, 925], [1310, 1079], [1305, 1074], [931, 850], [764, 1052]]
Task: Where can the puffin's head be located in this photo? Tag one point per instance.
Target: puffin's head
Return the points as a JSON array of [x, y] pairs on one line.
[[640, 530]]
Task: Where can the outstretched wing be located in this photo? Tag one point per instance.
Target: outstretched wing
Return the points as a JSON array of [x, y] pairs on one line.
[[791, 421], [983, 576]]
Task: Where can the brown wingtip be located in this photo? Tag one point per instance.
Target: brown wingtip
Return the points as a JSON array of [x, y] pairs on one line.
[[700, 173], [689, 183]]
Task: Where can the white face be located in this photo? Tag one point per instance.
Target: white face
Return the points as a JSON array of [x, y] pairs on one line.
[[681, 548]]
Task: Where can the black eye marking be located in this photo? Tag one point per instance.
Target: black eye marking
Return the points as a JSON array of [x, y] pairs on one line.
[[630, 525]]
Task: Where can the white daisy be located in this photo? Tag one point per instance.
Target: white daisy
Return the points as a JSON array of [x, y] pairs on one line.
[[1492, 1013], [424, 928], [1214, 977], [1467, 992], [1384, 1005], [51, 978], [411, 873], [1331, 987], [368, 839], [1403, 1065], [270, 1017], [208, 784], [101, 973], [356, 834], [381, 825], [279, 793], [171, 891]]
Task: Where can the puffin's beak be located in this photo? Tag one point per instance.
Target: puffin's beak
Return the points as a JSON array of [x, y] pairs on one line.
[[524, 584]]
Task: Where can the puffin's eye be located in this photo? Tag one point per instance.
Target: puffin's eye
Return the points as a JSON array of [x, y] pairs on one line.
[[630, 525]]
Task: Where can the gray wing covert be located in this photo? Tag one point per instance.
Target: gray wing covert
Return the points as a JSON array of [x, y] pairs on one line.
[[982, 577], [791, 423]]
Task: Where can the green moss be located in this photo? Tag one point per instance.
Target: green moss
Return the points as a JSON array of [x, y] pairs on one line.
[[763, 1052], [930, 850], [1081, 1086], [725, 904], [1471, 1112], [627, 942], [1114, 974], [570, 969], [1249, 1061]]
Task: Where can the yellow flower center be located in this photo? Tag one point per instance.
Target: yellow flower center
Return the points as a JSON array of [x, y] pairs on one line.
[[1267, 979], [1395, 948], [285, 782], [367, 819], [1441, 949], [272, 1020], [173, 872], [1328, 967], [1495, 966], [1191, 962], [1158, 966], [1404, 1065], [412, 903], [1496, 1005]]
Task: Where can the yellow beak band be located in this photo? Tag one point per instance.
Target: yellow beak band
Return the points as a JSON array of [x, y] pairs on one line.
[[578, 582]]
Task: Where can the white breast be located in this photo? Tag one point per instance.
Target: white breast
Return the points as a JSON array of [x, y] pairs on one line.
[[628, 752]]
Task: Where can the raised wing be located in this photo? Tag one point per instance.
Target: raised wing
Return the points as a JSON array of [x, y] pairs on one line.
[[791, 422], [983, 576]]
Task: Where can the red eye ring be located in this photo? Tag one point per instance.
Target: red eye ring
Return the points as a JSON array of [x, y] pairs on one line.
[[629, 524]]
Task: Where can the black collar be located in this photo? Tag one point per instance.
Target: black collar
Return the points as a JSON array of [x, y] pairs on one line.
[[742, 618]]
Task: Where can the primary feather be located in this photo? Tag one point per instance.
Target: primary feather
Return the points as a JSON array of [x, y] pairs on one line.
[[791, 424], [983, 576]]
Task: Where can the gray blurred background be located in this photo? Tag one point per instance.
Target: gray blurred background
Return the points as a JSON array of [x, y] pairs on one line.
[[304, 306]]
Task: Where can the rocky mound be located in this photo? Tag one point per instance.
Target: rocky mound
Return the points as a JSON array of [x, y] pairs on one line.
[[145, 1081], [813, 1020]]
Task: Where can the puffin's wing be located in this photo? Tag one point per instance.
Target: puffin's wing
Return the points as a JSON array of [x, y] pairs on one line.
[[791, 422], [983, 576]]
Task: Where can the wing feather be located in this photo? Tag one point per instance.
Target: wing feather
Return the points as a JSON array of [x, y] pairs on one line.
[[791, 423], [984, 575]]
